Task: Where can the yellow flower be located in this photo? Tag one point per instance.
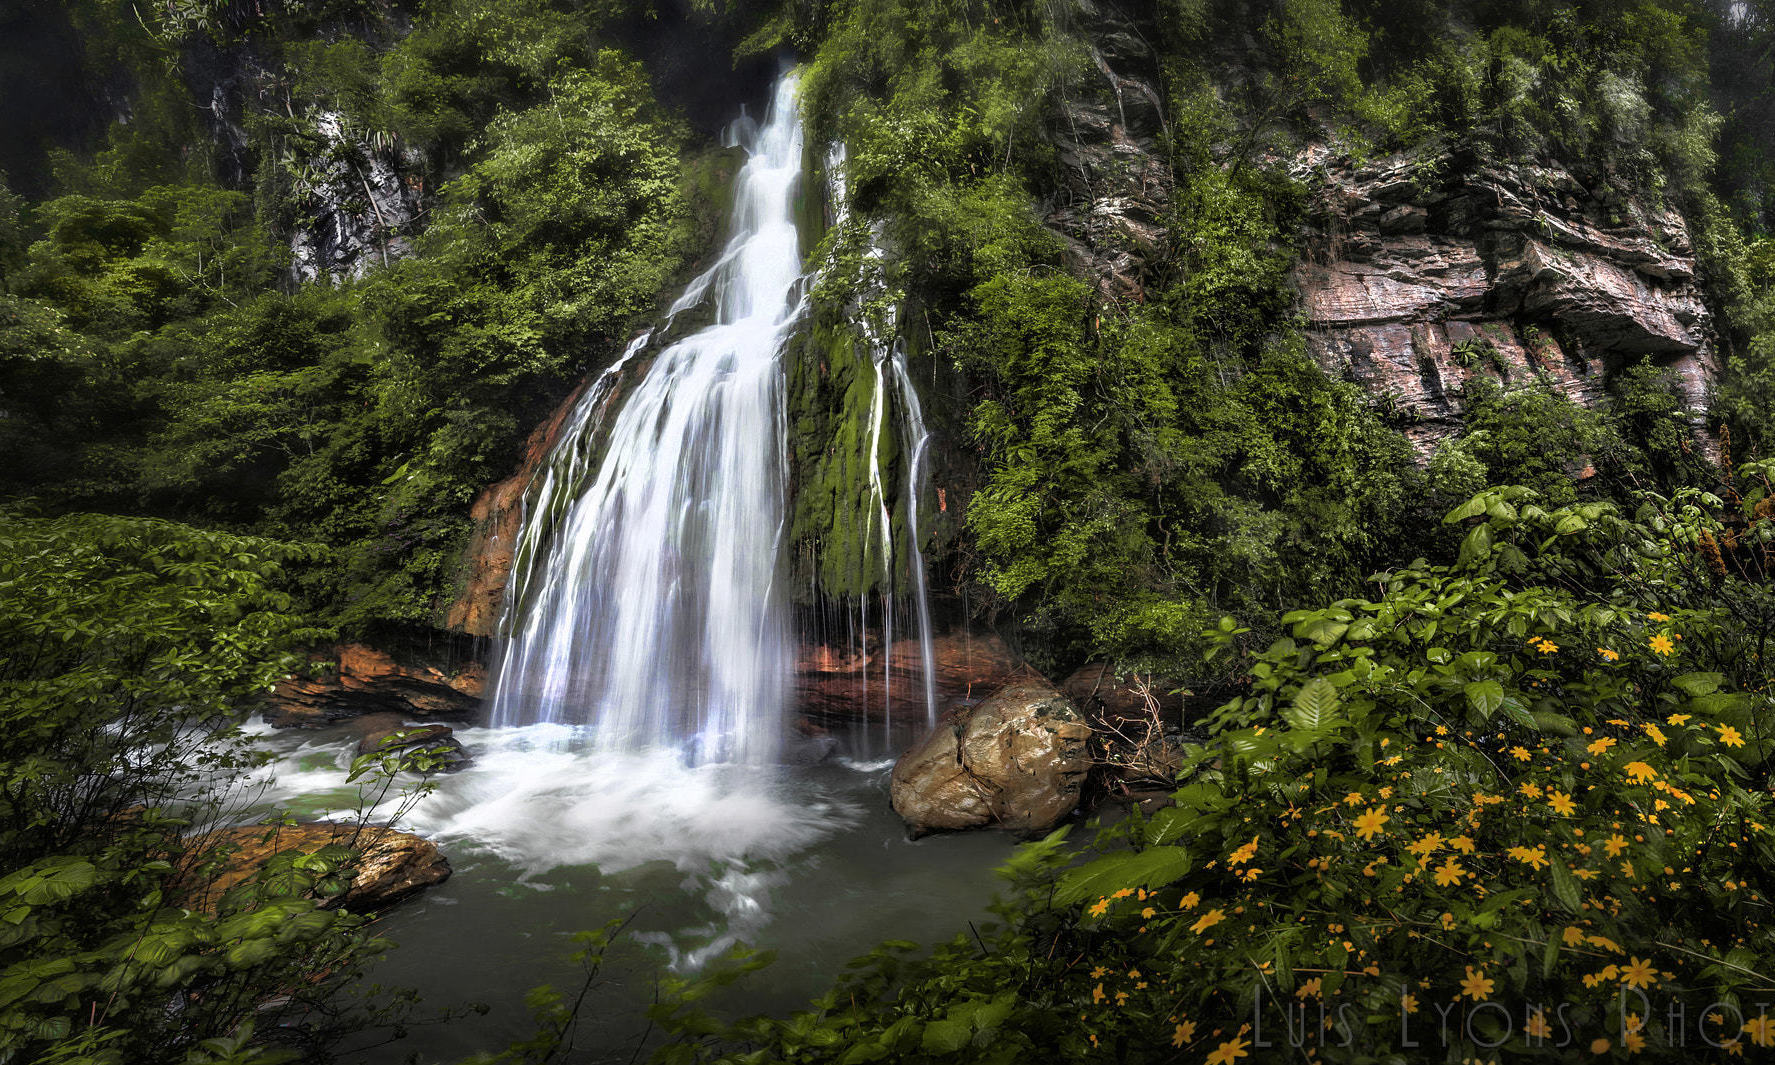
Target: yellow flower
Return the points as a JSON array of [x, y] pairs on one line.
[[1548, 647], [1244, 854], [1677, 719], [1661, 644], [1229, 1052], [1530, 789], [1310, 989], [1537, 1026], [1729, 736], [1533, 857], [1189, 901], [1761, 1029], [1097, 994], [1098, 907], [1185, 1033], [1464, 844], [1354, 798], [1572, 935], [1561, 802], [1656, 733], [1122, 894], [1612, 656], [1476, 986], [1207, 921], [1408, 1003], [1607, 944], [1369, 824], [1427, 846], [1449, 872], [1657, 617], [1600, 745], [1639, 772], [1615, 844], [1519, 753], [1148, 913], [1638, 973]]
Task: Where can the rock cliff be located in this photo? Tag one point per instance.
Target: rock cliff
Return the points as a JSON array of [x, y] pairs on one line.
[[1424, 270]]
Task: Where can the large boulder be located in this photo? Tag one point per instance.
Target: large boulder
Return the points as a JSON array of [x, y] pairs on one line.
[[1016, 761], [391, 864]]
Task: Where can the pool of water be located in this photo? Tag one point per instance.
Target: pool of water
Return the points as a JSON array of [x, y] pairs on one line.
[[548, 838]]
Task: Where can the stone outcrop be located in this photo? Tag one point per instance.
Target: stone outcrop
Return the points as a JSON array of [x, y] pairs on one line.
[[364, 197], [852, 682], [1017, 761], [355, 680], [1425, 270], [1115, 185], [1104, 694], [498, 514], [391, 865], [388, 733]]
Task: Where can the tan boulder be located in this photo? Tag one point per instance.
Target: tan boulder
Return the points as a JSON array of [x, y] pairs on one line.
[[1016, 761], [391, 864]]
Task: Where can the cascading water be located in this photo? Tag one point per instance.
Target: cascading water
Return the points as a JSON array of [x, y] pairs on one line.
[[891, 382], [648, 608]]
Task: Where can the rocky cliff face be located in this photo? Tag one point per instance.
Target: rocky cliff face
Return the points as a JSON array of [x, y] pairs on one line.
[[1422, 271], [363, 198], [1114, 185]]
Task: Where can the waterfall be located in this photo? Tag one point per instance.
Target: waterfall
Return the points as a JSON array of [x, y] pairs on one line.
[[645, 602], [892, 383]]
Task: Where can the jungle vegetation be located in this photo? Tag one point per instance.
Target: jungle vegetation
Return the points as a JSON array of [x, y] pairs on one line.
[[1478, 730]]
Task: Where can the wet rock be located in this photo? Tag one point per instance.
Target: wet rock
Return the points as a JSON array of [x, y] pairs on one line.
[[391, 865], [1102, 693], [1428, 269], [386, 733], [1016, 761], [356, 680], [855, 682]]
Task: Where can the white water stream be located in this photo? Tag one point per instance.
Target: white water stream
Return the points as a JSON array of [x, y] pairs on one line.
[[653, 614]]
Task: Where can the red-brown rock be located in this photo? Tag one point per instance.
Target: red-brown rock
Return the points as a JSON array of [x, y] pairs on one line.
[[1425, 271], [835, 682], [391, 864], [355, 680]]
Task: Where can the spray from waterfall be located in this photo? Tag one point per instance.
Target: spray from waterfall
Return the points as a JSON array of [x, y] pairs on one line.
[[645, 602]]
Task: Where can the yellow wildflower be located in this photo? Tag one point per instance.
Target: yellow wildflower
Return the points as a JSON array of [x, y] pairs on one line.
[[1561, 802], [1661, 644], [1638, 973], [1729, 736], [1369, 824], [1600, 745], [1477, 986], [1229, 1052], [1639, 772], [1207, 921]]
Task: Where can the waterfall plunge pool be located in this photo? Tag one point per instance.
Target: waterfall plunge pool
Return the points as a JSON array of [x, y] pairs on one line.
[[548, 838]]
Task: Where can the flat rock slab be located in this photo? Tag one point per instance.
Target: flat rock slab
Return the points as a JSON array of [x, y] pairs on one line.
[[392, 864]]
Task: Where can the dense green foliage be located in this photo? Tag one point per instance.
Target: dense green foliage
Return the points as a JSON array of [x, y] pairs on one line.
[[132, 646], [1515, 804], [1127, 470], [155, 358]]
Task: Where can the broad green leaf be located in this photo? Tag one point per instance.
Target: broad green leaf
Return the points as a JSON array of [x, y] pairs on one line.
[[1484, 696], [1150, 868]]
